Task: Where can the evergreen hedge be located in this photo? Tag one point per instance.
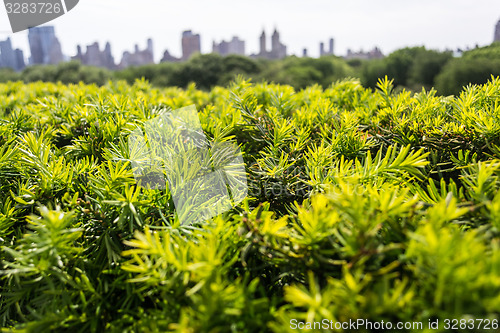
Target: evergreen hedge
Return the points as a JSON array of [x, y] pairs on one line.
[[362, 204]]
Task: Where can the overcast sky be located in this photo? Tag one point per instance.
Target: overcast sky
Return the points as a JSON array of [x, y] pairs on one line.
[[354, 24]]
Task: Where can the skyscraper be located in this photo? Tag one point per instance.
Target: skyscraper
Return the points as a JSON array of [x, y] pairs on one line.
[[190, 44], [20, 64], [322, 50], [497, 32], [44, 46], [263, 48], [278, 50], [9, 57], [95, 57]]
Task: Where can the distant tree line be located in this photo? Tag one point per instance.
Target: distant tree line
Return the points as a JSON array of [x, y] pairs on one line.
[[411, 68]]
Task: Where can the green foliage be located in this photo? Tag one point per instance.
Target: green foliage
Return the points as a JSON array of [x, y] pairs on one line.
[[69, 72], [465, 71], [413, 68], [491, 51], [303, 72], [8, 74], [375, 205], [474, 67]]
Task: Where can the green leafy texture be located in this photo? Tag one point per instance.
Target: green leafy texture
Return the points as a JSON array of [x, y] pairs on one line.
[[375, 204]]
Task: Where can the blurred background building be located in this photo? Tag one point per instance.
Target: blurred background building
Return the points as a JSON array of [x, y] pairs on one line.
[[95, 57], [190, 44], [167, 57], [497, 32], [322, 50], [44, 46], [278, 49], [138, 57], [375, 53], [9, 57], [235, 46]]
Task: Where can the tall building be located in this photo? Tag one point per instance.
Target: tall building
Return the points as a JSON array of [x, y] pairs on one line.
[[322, 50], [9, 57], [139, 57], [278, 50], [497, 32], [20, 64], [190, 44], [332, 43], [262, 39], [235, 46], [95, 57], [44, 46]]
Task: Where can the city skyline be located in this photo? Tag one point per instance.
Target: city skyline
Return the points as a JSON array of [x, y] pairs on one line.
[[45, 48], [355, 25]]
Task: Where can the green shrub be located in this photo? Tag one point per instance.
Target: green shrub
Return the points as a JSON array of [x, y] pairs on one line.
[[476, 66], [362, 204]]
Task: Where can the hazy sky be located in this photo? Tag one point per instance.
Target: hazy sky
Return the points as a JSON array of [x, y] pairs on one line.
[[355, 24]]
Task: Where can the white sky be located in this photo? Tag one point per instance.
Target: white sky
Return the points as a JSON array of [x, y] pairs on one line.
[[355, 24]]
